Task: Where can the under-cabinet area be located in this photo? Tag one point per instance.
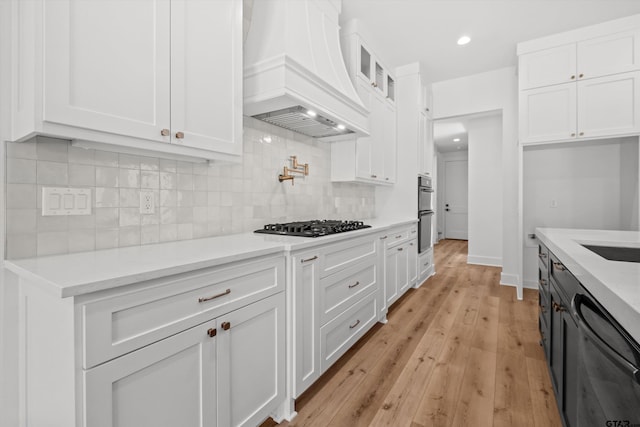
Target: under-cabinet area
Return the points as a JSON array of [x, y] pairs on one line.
[[220, 331], [589, 184]]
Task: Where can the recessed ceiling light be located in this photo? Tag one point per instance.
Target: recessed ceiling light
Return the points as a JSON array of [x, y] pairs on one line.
[[341, 127], [464, 40], [311, 113], [456, 139]]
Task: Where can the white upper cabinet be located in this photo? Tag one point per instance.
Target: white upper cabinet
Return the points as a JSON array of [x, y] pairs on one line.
[[613, 54], [157, 75], [584, 87], [548, 67], [370, 159]]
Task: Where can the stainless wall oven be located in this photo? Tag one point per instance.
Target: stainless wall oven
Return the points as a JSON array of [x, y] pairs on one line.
[[425, 212]]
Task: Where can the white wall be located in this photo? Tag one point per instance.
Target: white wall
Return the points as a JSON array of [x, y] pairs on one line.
[[494, 90], [593, 185], [485, 190]]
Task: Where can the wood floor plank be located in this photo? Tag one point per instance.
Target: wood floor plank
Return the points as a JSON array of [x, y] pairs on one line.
[[441, 395], [512, 406], [483, 372], [543, 401], [402, 401], [476, 403]]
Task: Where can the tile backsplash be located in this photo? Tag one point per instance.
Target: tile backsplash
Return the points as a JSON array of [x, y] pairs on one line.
[[193, 200]]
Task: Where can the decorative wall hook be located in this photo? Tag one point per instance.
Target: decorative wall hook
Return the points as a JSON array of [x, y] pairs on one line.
[[296, 168]]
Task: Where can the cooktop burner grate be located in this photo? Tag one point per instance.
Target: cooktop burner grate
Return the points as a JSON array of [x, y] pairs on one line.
[[314, 228]]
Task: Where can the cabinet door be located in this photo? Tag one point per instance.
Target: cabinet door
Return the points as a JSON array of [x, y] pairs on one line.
[[306, 320], [107, 66], [377, 129], [425, 144], [609, 105], [412, 252], [612, 54], [389, 148], [206, 74], [547, 67], [169, 383], [364, 145], [402, 273], [390, 276], [548, 114], [251, 362]]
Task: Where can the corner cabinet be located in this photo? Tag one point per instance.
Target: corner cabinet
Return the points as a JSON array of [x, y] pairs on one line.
[[582, 90], [149, 76], [203, 348], [370, 159]]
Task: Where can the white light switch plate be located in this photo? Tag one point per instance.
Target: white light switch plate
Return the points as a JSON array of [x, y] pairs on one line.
[[66, 201]]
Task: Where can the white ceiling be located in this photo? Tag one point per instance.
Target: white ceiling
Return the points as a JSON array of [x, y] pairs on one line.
[[426, 31]]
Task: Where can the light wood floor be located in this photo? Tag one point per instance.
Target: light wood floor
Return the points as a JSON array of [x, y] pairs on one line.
[[458, 351]]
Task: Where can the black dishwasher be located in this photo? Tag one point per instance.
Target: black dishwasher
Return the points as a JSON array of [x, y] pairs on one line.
[[608, 361]]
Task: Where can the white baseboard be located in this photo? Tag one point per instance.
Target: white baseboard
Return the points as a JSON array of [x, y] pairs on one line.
[[484, 260], [509, 279]]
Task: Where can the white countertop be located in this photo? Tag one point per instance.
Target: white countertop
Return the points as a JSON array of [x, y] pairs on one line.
[[85, 272], [615, 284]]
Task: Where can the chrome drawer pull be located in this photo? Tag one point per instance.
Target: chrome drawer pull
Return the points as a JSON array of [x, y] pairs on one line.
[[398, 236], [383, 237], [309, 259], [355, 324], [354, 285], [227, 292], [559, 266]]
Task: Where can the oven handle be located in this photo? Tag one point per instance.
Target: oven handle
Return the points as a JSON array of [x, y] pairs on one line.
[[610, 353]]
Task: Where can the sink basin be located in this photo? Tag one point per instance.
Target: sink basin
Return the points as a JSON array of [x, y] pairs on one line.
[[616, 253]]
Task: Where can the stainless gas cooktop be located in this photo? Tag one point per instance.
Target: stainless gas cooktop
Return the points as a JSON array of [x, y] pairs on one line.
[[313, 228]]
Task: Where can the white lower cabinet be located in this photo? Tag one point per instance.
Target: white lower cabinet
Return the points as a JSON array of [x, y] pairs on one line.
[[426, 267], [399, 248], [334, 291], [169, 383], [227, 372], [202, 348]]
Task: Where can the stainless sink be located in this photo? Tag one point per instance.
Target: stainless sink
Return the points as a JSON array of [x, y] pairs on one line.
[[616, 253]]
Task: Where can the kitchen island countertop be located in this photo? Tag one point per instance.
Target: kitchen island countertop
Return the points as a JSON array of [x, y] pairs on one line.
[[84, 272], [615, 284]]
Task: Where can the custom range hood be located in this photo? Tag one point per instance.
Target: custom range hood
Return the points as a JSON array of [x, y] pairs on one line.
[[294, 74]]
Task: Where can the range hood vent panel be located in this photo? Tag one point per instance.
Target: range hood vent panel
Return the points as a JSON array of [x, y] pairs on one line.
[[293, 63], [298, 120]]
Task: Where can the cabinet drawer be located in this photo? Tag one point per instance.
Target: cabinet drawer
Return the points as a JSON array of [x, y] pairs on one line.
[[397, 236], [120, 324], [340, 334], [344, 254], [340, 290], [425, 260], [543, 256], [567, 283]]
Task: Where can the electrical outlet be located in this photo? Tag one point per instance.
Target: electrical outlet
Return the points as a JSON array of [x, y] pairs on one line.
[[147, 202]]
